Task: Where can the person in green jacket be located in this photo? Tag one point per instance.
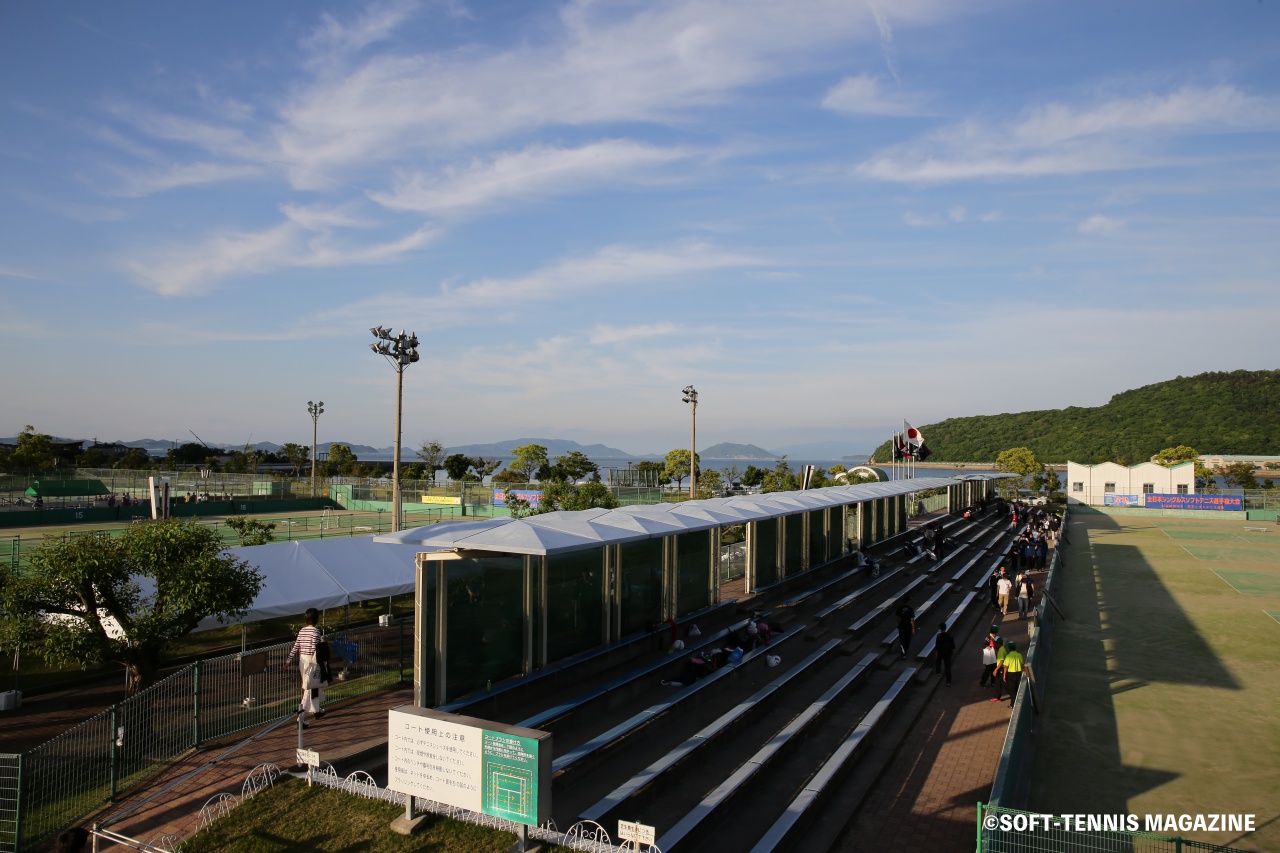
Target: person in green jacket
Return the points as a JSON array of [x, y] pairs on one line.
[[1009, 672]]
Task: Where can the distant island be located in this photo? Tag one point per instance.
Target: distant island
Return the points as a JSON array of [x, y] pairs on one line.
[[729, 450], [1232, 412]]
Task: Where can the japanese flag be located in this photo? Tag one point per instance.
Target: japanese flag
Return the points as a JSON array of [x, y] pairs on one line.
[[911, 434]]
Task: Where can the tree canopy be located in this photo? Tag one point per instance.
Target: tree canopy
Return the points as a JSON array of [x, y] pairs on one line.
[[529, 462], [677, 465], [125, 599]]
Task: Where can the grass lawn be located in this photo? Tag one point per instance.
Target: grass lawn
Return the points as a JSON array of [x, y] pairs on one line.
[[1164, 681], [292, 817]]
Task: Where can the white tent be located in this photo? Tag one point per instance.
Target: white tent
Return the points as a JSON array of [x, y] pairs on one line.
[[324, 573]]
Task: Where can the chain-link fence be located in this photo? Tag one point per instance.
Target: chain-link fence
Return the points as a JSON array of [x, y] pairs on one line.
[[1004, 830], [63, 780]]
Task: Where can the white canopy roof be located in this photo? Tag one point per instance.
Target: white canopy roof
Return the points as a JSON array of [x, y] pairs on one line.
[[328, 573], [562, 532]]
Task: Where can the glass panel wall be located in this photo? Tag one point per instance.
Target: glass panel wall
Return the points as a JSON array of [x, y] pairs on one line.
[[641, 579], [837, 543], [795, 541], [575, 600], [485, 622], [817, 538], [765, 534], [693, 579]]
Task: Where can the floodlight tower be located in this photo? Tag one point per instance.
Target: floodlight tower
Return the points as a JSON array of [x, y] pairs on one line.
[[691, 396], [315, 410], [400, 351]]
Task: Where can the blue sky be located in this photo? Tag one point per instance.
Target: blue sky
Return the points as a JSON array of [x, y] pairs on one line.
[[827, 216]]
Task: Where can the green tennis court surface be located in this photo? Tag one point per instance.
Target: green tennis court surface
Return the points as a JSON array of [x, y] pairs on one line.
[[1251, 583], [1234, 555], [1274, 614], [1210, 535]]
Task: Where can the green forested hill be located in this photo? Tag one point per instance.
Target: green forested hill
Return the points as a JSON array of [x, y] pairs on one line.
[[1237, 412]]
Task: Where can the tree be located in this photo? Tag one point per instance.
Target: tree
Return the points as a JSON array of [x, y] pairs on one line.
[[1171, 456], [250, 530], [341, 460], [567, 496], [752, 477], [1052, 482], [136, 459], [651, 473], [572, 467], [780, 479], [710, 484], [457, 466], [190, 453], [297, 456], [127, 599], [431, 452], [529, 462], [414, 471], [34, 451], [1020, 461], [1239, 474], [677, 465], [484, 467]]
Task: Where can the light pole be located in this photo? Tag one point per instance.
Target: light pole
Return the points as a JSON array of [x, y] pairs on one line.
[[691, 396], [315, 410], [401, 351]]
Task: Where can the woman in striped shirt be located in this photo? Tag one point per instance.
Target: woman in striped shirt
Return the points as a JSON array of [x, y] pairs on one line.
[[304, 648]]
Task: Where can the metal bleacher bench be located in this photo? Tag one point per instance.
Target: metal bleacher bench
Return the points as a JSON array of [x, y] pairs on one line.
[[798, 811]]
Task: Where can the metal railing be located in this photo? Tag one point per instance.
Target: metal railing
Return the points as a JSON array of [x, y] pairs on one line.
[[64, 779], [1004, 830]]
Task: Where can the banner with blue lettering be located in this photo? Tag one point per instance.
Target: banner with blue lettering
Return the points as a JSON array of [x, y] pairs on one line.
[[1122, 500], [1218, 502]]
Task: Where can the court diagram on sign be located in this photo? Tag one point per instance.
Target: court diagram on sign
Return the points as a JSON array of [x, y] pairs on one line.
[[509, 790]]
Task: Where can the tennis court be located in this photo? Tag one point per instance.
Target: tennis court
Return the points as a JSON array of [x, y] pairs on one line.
[[1164, 677]]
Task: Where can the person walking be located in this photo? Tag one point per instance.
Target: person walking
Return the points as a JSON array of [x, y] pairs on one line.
[[1011, 670], [304, 648], [906, 625], [944, 646], [1003, 587], [991, 646], [1026, 589], [993, 584]]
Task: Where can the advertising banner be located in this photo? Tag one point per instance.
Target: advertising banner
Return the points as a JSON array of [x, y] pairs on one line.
[[1211, 502], [478, 765], [441, 499], [1122, 500], [533, 497]]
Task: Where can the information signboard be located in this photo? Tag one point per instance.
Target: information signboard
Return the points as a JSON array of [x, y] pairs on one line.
[[478, 765], [1209, 502], [442, 499], [1122, 500]]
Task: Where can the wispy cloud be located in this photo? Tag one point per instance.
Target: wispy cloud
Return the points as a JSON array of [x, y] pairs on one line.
[[1057, 139], [184, 175], [611, 270], [1099, 224], [193, 269], [536, 170], [864, 95]]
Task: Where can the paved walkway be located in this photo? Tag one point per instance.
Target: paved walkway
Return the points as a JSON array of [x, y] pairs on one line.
[[345, 729], [927, 798]]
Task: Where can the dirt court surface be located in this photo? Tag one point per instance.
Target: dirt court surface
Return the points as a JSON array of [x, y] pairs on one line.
[[1165, 677]]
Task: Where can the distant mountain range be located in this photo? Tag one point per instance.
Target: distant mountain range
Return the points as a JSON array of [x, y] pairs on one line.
[[555, 447], [728, 450]]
